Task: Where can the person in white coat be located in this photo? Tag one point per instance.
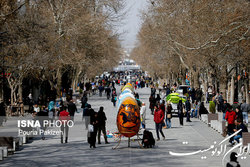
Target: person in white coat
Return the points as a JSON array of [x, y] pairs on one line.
[[143, 115]]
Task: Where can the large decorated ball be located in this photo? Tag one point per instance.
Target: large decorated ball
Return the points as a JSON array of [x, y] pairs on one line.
[[128, 117]]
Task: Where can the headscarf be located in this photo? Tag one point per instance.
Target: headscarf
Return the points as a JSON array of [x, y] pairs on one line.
[[51, 105]]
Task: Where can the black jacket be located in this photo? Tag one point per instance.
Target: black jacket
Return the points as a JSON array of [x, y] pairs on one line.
[[72, 108], [188, 105], [180, 107], [224, 107], [101, 118], [84, 101], [203, 110]]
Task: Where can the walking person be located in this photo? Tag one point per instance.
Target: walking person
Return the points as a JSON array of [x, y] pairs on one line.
[[72, 109], [158, 99], [153, 91], [220, 101], [114, 97], [158, 119], [152, 102], [230, 117], [138, 100], [143, 115], [188, 109], [101, 118], [207, 97], [92, 128], [108, 92], [84, 100], [180, 108], [169, 114], [41, 116], [64, 95], [64, 117], [224, 108], [239, 114], [194, 109], [86, 115], [245, 108], [163, 108], [101, 88], [51, 109]]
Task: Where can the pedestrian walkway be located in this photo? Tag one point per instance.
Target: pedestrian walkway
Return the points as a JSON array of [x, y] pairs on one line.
[[193, 136]]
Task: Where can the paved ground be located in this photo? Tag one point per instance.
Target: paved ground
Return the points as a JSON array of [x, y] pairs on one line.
[[51, 152]]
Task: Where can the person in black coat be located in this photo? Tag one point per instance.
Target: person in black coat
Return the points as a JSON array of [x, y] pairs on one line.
[[239, 114], [94, 123], [180, 108], [108, 91], [41, 116], [152, 102], [188, 109], [86, 115], [101, 118], [84, 100], [72, 109], [153, 91], [158, 98], [202, 109]]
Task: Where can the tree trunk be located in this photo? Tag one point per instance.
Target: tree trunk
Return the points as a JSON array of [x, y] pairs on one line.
[[228, 91], [247, 90], [20, 93], [168, 79], [174, 77], [12, 91], [232, 90], [191, 78], [196, 79], [15, 96], [244, 92], [205, 88], [210, 79], [59, 82], [223, 80], [76, 79], [73, 85]]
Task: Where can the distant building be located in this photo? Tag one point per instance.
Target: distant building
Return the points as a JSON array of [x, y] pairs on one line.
[[127, 64]]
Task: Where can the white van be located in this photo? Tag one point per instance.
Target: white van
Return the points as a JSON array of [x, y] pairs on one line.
[[182, 89]]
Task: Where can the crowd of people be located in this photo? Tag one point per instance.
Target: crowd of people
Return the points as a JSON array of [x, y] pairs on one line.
[[235, 120], [236, 114]]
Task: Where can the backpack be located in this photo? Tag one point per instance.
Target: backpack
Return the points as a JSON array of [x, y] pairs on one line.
[[148, 140]]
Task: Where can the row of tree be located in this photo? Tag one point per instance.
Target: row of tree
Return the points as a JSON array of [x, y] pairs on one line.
[[206, 41], [44, 39]]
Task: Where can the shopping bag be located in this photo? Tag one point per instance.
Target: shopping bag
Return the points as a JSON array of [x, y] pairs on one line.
[[90, 128]]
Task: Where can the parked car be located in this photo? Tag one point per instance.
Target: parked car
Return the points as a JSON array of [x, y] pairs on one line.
[[183, 89], [174, 98]]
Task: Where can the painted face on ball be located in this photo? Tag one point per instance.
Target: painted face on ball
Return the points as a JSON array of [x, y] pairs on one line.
[[128, 117]]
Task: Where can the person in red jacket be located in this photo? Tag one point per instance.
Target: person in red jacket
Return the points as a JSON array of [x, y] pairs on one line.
[[230, 117], [64, 118], [158, 118]]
